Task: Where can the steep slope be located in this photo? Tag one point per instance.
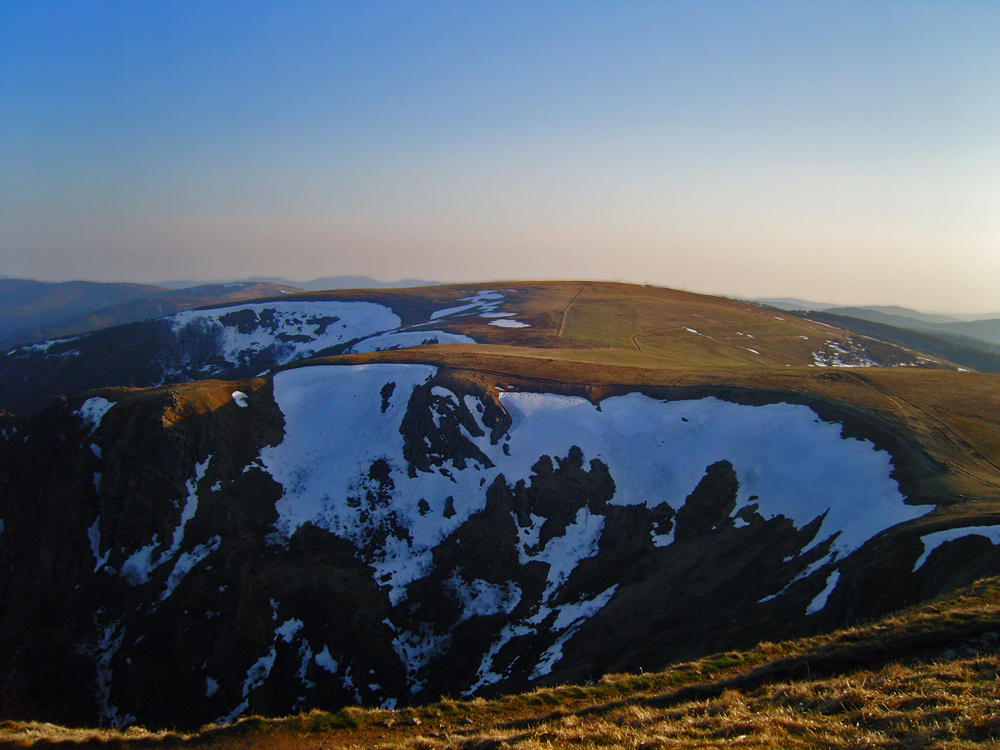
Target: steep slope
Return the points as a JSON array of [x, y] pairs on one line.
[[925, 677], [389, 533]]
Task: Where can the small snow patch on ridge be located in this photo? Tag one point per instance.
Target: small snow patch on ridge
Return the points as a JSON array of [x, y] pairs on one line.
[[932, 541], [405, 339], [485, 301], [92, 411], [507, 323], [240, 398]]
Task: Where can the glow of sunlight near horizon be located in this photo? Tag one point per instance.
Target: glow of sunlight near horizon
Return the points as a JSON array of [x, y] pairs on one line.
[[834, 151]]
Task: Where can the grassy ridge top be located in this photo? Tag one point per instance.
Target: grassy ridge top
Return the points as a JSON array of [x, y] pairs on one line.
[[925, 677], [630, 325]]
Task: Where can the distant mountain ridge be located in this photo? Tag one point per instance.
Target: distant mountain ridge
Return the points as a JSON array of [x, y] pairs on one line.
[[27, 304], [963, 330], [792, 303], [318, 285], [32, 311]]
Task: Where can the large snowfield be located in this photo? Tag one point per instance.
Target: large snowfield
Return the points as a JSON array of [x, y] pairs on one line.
[[787, 460]]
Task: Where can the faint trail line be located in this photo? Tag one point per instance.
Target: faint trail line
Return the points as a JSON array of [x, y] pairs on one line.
[[949, 435], [636, 342], [562, 323]]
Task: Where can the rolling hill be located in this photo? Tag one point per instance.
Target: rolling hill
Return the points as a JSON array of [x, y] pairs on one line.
[[379, 497], [33, 311], [26, 304]]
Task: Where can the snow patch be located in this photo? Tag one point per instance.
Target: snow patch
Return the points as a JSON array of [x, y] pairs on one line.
[[568, 621], [507, 323], [416, 649], [189, 510], [92, 411], [480, 598], [325, 661], [485, 301], [94, 535], [404, 339], [934, 540], [797, 465], [289, 330], [186, 561], [288, 629], [564, 553], [258, 672], [240, 398], [820, 601], [102, 652], [335, 431], [138, 566]]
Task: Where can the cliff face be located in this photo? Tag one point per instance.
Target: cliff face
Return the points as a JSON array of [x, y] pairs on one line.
[[381, 534]]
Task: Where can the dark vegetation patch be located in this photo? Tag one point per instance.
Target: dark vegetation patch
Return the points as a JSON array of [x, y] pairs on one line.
[[924, 677]]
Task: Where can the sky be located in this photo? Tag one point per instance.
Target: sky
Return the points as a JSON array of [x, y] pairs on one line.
[[841, 151]]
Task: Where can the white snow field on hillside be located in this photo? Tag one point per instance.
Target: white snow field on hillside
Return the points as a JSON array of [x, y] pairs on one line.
[[338, 422], [296, 330], [935, 539]]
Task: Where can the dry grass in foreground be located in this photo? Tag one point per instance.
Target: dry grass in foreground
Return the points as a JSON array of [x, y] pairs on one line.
[[925, 678]]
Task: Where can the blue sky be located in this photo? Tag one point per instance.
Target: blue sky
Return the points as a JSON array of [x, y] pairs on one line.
[[842, 151]]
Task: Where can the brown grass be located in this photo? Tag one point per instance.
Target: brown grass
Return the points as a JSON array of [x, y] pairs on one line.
[[921, 678]]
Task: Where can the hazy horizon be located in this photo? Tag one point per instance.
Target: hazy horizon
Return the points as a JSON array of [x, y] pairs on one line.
[[839, 152]]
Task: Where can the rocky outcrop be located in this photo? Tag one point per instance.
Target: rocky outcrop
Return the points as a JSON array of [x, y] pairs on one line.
[[381, 535]]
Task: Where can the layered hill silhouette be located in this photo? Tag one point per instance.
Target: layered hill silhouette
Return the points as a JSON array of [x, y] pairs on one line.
[[379, 497], [33, 311]]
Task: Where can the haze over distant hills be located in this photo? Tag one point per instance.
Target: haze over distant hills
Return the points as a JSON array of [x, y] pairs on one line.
[[320, 284], [795, 303], [33, 311], [960, 329]]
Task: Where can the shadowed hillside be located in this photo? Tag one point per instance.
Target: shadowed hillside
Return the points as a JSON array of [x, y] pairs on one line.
[[926, 677]]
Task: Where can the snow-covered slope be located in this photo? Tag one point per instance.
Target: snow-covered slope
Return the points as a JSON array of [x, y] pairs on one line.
[[381, 533], [787, 461]]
